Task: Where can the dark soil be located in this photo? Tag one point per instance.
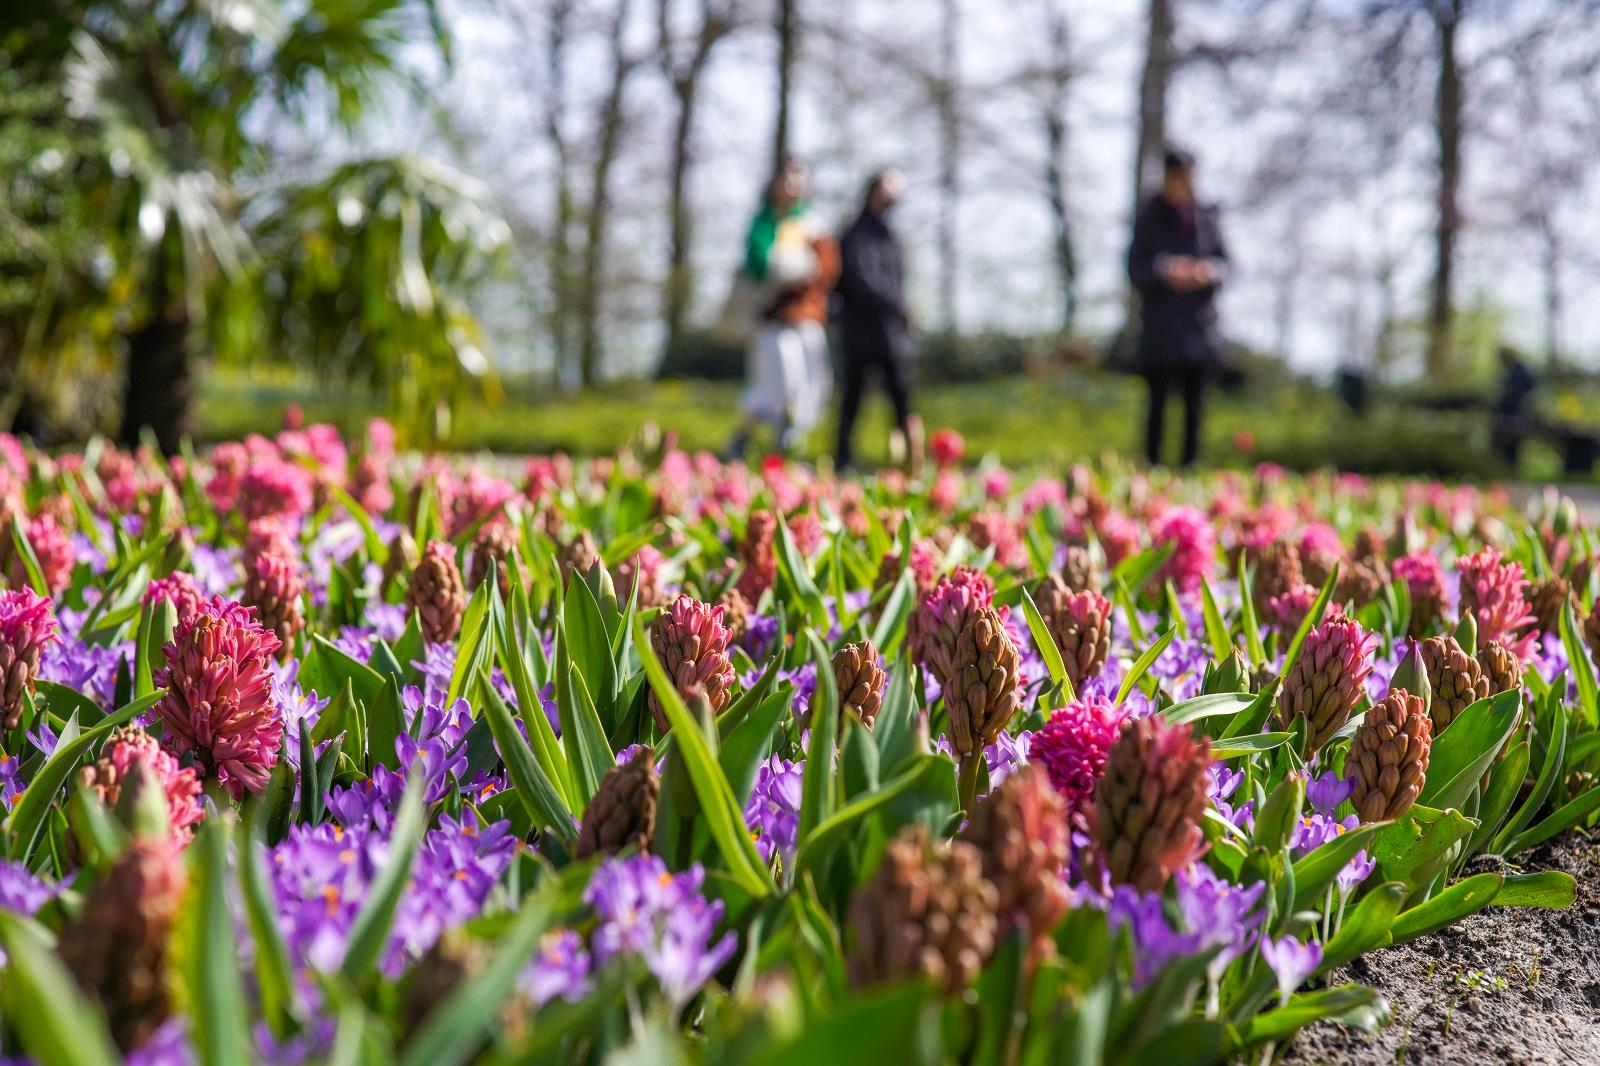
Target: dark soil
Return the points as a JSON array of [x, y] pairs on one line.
[[1508, 985]]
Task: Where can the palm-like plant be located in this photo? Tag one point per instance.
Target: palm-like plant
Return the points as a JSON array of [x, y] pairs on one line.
[[202, 246]]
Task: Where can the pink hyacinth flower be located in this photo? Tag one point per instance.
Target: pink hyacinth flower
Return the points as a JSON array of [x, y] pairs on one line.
[[1495, 591], [1072, 748]]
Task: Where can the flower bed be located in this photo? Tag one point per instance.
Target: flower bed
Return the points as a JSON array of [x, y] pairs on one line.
[[314, 751]]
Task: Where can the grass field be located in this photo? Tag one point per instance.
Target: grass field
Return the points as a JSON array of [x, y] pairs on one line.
[[1046, 420]]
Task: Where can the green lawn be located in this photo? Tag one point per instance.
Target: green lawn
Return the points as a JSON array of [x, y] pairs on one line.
[[1024, 421]]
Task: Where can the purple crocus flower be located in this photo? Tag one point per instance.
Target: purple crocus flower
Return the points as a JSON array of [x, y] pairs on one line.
[[1326, 791], [9, 789], [1315, 830], [1291, 961], [1220, 913], [773, 812], [647, 911], [1155, 942], [1355, 871], [168, 1046], [560, 969]]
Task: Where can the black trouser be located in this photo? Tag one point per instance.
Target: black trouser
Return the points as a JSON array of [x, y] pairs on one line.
[[1191, 378], [857, 363]]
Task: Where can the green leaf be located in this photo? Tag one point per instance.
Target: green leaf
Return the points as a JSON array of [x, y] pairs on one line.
[[385, 722], [1247, 616], [1216, 629], [1190, 1042], [897, 1024], [1549, 771], [1420, 837], [1467, 896], [325, 669], [1552, 889], [1578, 663], [1212, 705], [453, 1032], [1507, 777], [22, 825], [1563, 819], [589, 646], [1253, 744], [901, 602], [1354, 1005], [539, 796], [895, 729], [1365, 927], [724, 819], [1045, 644], [30, 561], [588, 751], [1316, 871], [1466, 747], [926, 771], [56, 1024], [156, 622], [1136, 570], [274, 973], [795, 568], [377, 550], [1313, 616], [1143, 663], [542, 738], [818, 788], [475, 649], [369, 935], [221, 1030], [748, 743]]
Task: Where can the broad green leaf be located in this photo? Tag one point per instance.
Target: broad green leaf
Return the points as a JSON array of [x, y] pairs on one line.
[[1578, 663], [1247, 616], [1136, 570], [1045, 644], [1563, 819], [1253, 744], [1354, 1005], [1417, 841], [1465, 897], [584, 735], [325, 669], [1552, 889], [1313, 616], [1316, 871], [475, 648], [1365, 927], [539, 796], [1549, 771], [1216, 629], [220, 1025], [890, 628], [1212, 705], [274, 973], [1466, 747], [818, 788], [56, 1025], [1143, 663], [925, 770]]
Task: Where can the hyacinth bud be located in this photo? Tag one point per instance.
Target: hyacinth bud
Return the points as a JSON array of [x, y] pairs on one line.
[[935, 627], [219, 711], [178, 589], [1080, 625], [436, 596], [1360, 583], [858, 674], [1328, 679], [980, 693], [1149, 804], [623, 811], [692, 644], [116, 948], [1369, 548], [760, 562], [273, 587], [1425, 584], [643, 568], [1545, 600], [1277, 574], [1077, 569], [1389, 757], [27, 625], [1021, 833], [493, 543], [1501, 667], [736, 611], [130, 750], [402, 559], [926, 913], [1493, 593], [1456, 679], [578, 556]]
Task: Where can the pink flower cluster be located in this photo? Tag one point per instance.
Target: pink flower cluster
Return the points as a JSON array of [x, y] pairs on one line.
[[1194, 545], [1495, 592], [1072, 748]]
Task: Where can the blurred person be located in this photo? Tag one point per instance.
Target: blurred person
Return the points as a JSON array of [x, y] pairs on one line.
[[1177, 261], [1513, 414], [794, 264], [874, 330]]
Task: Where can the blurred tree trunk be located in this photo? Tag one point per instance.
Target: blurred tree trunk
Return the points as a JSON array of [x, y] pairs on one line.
[[1154, 78], [788, 48], [557, 35], [1550, 266], [1447, 128], [949, 94], [608, 142], [684, 77], [1055, 175], [160, 390]]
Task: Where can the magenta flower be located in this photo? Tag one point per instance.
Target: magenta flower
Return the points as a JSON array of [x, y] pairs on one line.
[[179, 589], [1495, 591], [272, 488], [1072, 748], [26, 627], [53, 549], [219, 712], [1194, 545]]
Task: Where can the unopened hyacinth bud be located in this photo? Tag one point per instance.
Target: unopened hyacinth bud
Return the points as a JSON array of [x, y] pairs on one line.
[[1456, 679], [1360, 583], [402, 558], [1328, 679], [273, 587], [178, 589], [436, 595], [1369, 547], [980, 692], [623, 811], [692, 644], [1149, 804], [1077, 569], [1023, 838], [736, 611], [935, 626], [1388, 757], [577, 557], [219, 711], [1277, 574], [1546, 598], [1080, 625], [1425, 582], [858, 674], [129, 748], [1501, 667], [926, 913], [644, 568], [116, 947], [27, 626], [760, 562], [493, 543]]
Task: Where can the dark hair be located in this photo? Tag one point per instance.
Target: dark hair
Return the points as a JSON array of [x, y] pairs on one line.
[[1175, 158]]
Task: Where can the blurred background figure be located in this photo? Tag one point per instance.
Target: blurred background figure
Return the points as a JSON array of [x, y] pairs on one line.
[[788, 377], [874, 330], [1513, 413], [1177, 262]]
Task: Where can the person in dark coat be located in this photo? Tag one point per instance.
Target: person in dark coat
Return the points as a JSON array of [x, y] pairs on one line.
[[874, 333], [1177, 262], [1514, 416]]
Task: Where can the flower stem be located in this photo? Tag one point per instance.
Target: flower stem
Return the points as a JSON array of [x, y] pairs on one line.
[[967, 782]]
